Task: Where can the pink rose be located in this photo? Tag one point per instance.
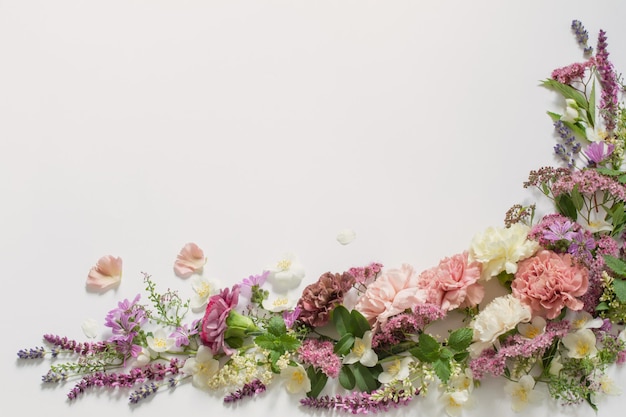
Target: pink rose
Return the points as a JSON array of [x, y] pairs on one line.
[[453, 283], [549, 281], [393, 292], [213, 324]]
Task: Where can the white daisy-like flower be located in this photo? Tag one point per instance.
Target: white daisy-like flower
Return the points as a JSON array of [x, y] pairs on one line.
[[296, 379], [581, 344], [286, 274], [395, 369], [202, 367], [278, 302], [160, 341], [454, 401]]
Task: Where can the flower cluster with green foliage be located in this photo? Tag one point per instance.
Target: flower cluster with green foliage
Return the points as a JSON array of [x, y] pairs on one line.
[[369, 339]]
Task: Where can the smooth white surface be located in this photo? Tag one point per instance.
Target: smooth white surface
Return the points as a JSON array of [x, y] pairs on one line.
[[254, 128]]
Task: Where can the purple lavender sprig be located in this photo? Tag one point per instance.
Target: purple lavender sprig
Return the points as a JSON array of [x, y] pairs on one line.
[[150, 372], [248, 390], [610, 88], [358, 402], [81, 348], [582, 36], [32, 353]]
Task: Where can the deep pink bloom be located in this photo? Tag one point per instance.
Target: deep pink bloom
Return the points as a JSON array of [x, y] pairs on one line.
[[214, 320], [548, 282]]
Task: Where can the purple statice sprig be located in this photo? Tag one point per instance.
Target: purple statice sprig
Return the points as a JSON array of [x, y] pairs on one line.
[[250, 389]]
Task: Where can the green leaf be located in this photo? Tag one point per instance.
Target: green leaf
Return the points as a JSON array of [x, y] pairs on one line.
[[342, 320], [460, 339], [365, 380], [577, 198], [427, 349], [442, 370], [603, 306], [505, 279], [622, 179], [289, 342], [568, 92], [609, 172], [266, 341], [318, 381], [591, 110], [566, 206], [276, 326], [615, 264], [343, 346], [346, 377], [461, 356], [360, 323], [619, 286], [446, 353]]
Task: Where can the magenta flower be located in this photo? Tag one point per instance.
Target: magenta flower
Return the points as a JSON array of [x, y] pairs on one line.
[[214, 321]]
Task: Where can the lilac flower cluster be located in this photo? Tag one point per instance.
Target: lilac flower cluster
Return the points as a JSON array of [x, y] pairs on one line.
[[359, 402], [150, 372], [250, 389], [320, 355], [493, 361], [125, 322], [572, 73], [363, 274], [398, 328]]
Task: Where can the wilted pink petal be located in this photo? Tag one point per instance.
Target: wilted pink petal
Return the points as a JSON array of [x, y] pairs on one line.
[[106, 274], [189, 260]]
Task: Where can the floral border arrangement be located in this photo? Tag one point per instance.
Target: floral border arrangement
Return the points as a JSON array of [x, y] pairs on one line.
[[556, 324]]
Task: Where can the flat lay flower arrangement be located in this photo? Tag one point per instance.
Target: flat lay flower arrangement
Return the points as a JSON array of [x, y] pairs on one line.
[[362, 340]]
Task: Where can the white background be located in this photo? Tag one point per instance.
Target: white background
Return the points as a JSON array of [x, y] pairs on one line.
[[254, 128]]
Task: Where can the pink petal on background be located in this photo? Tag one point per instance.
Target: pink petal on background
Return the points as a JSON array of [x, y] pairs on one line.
[[190, 259], [106, 273]]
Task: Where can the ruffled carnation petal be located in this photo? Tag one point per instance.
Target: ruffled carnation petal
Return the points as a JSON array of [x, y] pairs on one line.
[[191, 259]]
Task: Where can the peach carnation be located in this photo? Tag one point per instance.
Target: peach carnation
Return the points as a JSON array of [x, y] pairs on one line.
[[453, 283], [392, 293], [548, 282]]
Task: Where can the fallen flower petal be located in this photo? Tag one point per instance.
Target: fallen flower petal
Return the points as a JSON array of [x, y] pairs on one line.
[[190, 260], [106, 273]]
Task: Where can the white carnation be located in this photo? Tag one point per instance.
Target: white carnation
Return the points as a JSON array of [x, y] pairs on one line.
[[501, 249]]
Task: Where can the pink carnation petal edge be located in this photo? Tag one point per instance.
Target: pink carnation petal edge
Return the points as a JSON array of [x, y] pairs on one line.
[[189, 260], [106, 274]]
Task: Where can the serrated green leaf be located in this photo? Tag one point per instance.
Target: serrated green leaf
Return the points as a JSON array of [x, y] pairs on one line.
[[442, 370], [615, 264], [619, 286], [359, 323], [577, 198], [446, 353], [365, 380], [460, 339], [343, 346], [276, 326], [342, 320], [427, 349], [565, 206], [461, 356], [318, 382], [346, 377], [266, 341], [288, 342]]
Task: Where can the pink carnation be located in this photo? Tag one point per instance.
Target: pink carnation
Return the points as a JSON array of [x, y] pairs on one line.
[[214, 321], [453, 283], [548, 282], [392, 293]]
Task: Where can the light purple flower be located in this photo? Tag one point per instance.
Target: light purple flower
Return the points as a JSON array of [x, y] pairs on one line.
[[597, 152], [247, 284], [560, 229], [181, 334]]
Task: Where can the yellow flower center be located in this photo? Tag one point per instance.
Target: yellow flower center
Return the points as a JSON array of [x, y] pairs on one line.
[[160, 343], [279, 302], [204, 290], [298, 377], [521, 394], [532, 332], [394, 369], [582, 348], [359, 348], [580, 323], [284, 265]]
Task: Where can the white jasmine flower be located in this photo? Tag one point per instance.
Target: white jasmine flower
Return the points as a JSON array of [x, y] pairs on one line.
[[143, 358], [462, 381], [395, 369], [501, 249], [362, 351], [583, 320], [498, 317], [203, 289], [608, 386], [160, 341], [536, 327], [346, 236], [522, 392], [90, 328], [454, 401], [581, 344], [202, 368], [278, 302], [286, 274], [296, 379], [596, 221]]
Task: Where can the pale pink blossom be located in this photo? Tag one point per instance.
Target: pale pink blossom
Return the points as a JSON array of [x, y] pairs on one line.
[[453, 283], [190, 260], [106, 273], [549, 281], [395, 291]]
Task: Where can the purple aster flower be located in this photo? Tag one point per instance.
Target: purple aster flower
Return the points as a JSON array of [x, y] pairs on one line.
[[560, 229], [596, 152]]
